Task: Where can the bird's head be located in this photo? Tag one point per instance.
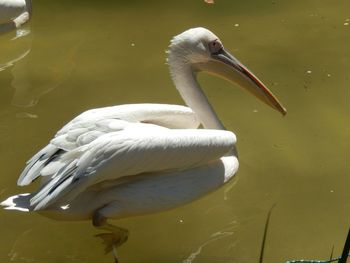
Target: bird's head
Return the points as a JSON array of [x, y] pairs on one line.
[[202, 50]]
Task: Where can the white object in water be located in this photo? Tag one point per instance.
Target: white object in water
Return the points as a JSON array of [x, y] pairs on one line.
[[141, 158]]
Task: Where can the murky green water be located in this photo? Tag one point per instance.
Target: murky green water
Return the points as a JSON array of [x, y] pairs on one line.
[[86, 54]]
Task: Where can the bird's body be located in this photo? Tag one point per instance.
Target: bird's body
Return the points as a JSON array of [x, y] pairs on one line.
[[14, 12], [141, 158], [140, 151]]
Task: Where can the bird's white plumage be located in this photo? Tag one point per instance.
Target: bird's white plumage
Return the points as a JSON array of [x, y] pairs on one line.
[[135, 159], [110, 143], [146, 193], [116, 118], [92, 124], [129, 152]]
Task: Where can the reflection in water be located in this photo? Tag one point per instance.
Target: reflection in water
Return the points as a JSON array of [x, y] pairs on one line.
[[33, 78], [35, 70], [228, 231], [14, 47]]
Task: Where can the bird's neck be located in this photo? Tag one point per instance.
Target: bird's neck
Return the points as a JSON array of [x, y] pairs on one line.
[[186, 83]]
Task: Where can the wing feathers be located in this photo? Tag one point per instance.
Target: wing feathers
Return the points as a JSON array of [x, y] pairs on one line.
[[113, 142], [122, 154], [36, 164]]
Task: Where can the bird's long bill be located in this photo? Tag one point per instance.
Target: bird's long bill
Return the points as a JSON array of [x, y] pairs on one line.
[[224, 65]]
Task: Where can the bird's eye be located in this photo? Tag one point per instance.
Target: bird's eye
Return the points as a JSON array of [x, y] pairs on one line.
[[215, 46]]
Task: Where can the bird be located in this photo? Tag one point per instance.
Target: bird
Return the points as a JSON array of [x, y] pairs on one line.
[[14, 13], [134, 159]]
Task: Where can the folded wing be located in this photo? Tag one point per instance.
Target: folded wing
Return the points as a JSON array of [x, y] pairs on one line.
[[92, 124], [138, 149]]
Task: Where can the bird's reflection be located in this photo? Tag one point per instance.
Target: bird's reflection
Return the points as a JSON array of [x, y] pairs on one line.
[[36, 66], [15, 46]]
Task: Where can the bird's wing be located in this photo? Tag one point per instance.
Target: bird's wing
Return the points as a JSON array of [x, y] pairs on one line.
[[110, 119], [140, 149], [92, 124]]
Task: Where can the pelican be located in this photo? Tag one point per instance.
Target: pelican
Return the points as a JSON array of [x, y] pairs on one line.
[[135, 159], [14, 13]]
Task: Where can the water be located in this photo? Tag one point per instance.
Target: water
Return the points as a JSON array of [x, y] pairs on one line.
[[85, 54]]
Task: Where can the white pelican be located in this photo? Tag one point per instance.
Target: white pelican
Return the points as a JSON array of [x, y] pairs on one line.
[[14, 13], [135, 159]]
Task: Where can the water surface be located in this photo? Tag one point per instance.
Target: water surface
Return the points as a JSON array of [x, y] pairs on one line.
[[85, 54]]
